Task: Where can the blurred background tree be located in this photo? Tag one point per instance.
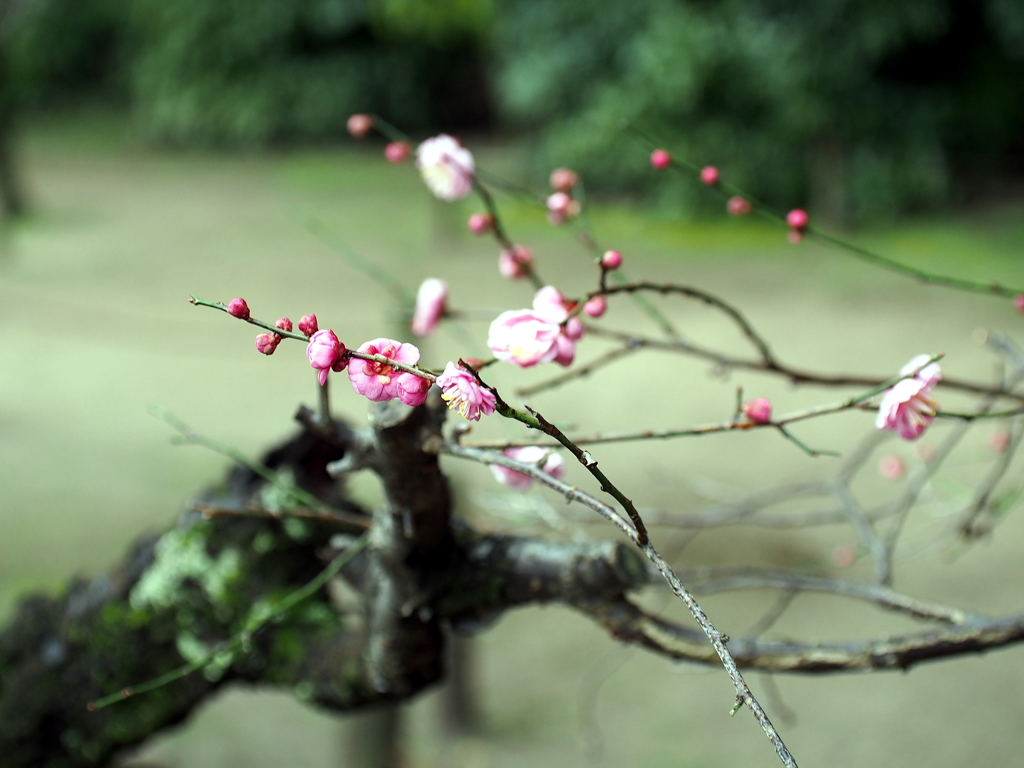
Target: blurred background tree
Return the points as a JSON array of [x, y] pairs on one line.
[[864, 108]]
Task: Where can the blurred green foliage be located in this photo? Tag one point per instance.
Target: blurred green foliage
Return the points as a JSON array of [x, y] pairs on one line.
[[865, 108], [863, 105]]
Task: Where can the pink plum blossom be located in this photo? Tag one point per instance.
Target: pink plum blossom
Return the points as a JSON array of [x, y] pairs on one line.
[[447, 167], [266, 343], [326, 354], [531, 454], [524, 338], [307, 325], [908, 408], [464, 394], [238, 308], [527, 337], [758, 411], [379, 381], [430, 306]]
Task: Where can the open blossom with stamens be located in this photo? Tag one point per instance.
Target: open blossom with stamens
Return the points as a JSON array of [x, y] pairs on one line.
[[908, 408], [531, 454], [447, 167], [378, 381], [464, 394], [326, 354], [430, 306], [527, 337]]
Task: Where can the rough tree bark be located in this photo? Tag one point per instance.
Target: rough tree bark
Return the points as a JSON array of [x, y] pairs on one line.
[[179, 595]]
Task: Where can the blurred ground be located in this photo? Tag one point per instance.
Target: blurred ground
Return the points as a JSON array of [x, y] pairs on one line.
[[95, 327]]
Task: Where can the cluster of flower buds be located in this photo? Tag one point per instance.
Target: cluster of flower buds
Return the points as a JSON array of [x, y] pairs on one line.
[[797, 221], [561, 204], [738, 206], [514, 263]]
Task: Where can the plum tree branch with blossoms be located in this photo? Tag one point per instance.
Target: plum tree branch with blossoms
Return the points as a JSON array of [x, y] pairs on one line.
[[286, 527]]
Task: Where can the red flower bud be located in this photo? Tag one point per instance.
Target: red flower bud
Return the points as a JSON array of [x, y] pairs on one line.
[[660, 159]]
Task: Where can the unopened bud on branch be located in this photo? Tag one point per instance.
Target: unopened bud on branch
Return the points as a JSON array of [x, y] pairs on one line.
[[709, 175], [738, 206], [359, 125], [758, 411], [611, 260], [480, 223], [397, 151], [660, 158], [307, 325], [238, 308], [266, 343], [563, 180]]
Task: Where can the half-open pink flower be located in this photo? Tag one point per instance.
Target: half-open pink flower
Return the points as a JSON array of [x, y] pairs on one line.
[[523, 337], [526, 337], [266, 343], [430, 306], [447, 167], [464, 394], [325, 354], [909, 408], [378, 381], [531, 454]]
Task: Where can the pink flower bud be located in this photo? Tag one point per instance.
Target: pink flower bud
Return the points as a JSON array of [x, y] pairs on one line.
[[284, 324], [660, 159], [596, 306], [534, 455], [758, 411], [611, 260], [266, 343], [359, 125], [1018, 302], [795, 236], [430, 306], [513, 264], [737, 206], [563, 180], [307, 325], [397, 151], [891, 467], [709, 175], [325, 352], [480, 223], [238, 308], [797, 219]]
